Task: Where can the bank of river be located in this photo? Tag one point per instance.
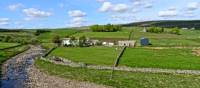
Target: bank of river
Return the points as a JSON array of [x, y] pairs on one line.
[[15, 70], [20, 72]]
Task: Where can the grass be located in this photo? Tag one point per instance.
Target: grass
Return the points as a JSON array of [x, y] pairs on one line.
[[18, 35], [124, 34], [121, 79], [48, 45], [99, 35], [160, 58], [6, 45], [5, 54], [47, 37], [89, 55], [187, 38]]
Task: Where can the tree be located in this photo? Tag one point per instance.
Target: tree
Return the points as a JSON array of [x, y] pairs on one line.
[[105, 28], [57, 40], [94, 28], [82, 41]]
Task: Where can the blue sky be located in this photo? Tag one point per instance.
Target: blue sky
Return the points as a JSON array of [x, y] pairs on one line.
[[69, 13]]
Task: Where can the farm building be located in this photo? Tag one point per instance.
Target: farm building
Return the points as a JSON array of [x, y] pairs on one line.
[[108, 44], [66, 41], [129, 43]]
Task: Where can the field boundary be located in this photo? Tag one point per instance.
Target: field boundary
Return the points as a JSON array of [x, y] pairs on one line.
[[66, 62], [12, 47], [49, 51]]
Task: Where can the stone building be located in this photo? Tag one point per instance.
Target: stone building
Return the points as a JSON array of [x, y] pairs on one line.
[[129, 43]]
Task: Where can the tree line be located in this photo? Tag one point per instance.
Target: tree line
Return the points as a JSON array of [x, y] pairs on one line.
[[105, 28], [162, 30]]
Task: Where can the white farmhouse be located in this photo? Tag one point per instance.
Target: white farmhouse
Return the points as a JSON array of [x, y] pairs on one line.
[[129, 43], [66, 41]]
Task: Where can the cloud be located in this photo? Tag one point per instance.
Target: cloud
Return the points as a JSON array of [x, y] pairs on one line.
[[189, 13], [77, 22], [4, 21], [14, 7], [76, 13], [120, 8], [148, 5], [77, 18], [193, 5], [36, 13], [168, 13], [108, 6]]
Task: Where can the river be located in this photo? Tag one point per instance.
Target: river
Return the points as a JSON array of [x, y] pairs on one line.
[[15, 70]]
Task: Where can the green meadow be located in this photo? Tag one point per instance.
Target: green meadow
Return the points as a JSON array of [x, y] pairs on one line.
[[88, 55], [121, 79]]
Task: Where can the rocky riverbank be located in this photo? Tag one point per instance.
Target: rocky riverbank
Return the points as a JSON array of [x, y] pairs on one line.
[[20, 72]]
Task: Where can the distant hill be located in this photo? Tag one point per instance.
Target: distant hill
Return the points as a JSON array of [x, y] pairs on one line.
[[167, 23]]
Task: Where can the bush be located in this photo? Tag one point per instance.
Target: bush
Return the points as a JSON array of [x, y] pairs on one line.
[[175, 31], [155, 30]]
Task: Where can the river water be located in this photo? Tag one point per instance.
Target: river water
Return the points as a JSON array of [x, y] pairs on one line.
[[16, 69]]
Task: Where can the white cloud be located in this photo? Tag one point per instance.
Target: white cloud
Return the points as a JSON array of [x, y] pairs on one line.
[[120, 8], [189, 13], [108, 6], [193, 5], [4, 21], [76, 13], [14, 7], [36, 13], [142, 3], [168, 13], [172, 8], [78, 20]]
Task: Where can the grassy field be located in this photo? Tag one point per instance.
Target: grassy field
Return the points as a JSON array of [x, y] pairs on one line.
[[5, 54], [89, 55], [187, 38], [48, 45], [101, 35], [121, 79], [6, 45], [18, 36], [160, 58], [123, 34], [47, 37]]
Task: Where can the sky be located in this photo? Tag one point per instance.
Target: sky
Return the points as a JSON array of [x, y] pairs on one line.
[[75, 13]]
